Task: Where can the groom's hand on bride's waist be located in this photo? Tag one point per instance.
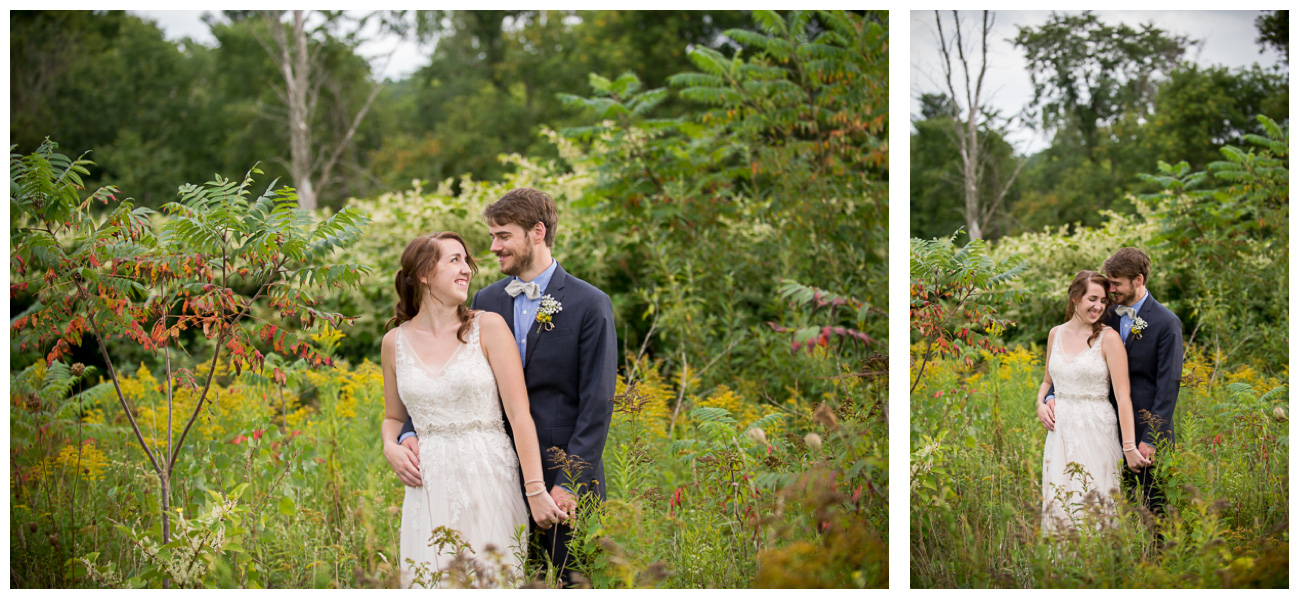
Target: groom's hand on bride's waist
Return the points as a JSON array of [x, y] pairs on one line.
[[1047, 413], [405, 460]]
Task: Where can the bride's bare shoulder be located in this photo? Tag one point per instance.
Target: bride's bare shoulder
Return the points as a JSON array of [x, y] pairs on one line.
[[490, 321], [1110, 336]]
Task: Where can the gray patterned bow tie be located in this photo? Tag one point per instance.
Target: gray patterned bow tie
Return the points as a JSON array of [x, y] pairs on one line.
[[530, 289], [1126, 311]]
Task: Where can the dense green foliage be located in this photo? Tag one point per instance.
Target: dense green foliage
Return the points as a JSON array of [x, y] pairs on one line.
[[742, 239], [166, 112], [1219, 248]]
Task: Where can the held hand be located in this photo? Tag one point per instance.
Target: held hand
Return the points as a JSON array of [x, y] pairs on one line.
[[1147, 451], [1136, 461], [544, 510], [565, 500], [1047, 414], [405, 460]]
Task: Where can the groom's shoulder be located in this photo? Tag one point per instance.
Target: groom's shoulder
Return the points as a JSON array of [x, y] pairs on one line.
[[585, 287], [587, 291], [1164, 312]]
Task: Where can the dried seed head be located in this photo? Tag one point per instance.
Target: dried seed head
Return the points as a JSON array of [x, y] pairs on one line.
[[757, 435], [31, 527], [77, 369], [1279, 414], [813, 441], [825, 417]]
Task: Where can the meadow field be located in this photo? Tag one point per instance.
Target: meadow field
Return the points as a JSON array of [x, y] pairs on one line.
[[977, 452]]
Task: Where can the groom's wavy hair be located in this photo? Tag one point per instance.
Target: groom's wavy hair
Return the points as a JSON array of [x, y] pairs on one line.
[[1078, 288], [421, 258], [1129, 263], [525, 207]]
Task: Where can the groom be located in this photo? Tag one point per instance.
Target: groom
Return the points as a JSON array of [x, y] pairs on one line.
[[569, 364], [1153, 339]]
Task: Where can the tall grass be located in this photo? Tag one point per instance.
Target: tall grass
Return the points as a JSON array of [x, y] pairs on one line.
[[976, 487], [286, 487]]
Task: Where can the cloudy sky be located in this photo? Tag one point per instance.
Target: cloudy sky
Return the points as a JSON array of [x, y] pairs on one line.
[[1228, 38]]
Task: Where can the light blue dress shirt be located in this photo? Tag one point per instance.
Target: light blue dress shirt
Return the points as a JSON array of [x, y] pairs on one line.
[[1126, 323], [525, 310]]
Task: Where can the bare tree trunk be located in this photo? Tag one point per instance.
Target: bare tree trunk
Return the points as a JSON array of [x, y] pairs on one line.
[[297, 74], [310, 164], [966, 128]]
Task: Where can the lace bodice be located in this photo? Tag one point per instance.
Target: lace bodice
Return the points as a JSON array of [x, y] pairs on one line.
[[1084, 377], [459, 398]]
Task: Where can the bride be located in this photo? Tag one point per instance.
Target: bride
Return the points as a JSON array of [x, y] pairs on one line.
[[1085, 361], [443, 365]]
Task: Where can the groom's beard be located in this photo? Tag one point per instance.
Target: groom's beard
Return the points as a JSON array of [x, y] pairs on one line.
[[520, 262]]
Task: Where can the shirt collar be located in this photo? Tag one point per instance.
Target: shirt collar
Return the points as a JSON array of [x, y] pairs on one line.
[[544, 280]]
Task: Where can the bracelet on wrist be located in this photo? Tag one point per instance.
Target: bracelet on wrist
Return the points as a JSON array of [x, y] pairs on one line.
[[537, 493]]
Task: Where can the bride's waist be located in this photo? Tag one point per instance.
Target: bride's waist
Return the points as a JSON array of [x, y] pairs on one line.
[[1102, 397], [462, 427]]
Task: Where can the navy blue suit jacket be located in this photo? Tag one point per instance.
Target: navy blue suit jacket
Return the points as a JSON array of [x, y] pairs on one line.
[[569, 371], [1155, 370]]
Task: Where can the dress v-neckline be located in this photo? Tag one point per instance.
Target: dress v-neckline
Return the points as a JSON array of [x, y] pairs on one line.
[[1069, 359], [420, 361]]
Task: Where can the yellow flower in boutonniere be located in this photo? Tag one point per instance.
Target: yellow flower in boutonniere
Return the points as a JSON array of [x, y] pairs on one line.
[[549, 307], [1138, 326]]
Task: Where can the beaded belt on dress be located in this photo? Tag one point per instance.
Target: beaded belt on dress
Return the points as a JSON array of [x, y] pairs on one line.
[[489, 425], [1085, 397]]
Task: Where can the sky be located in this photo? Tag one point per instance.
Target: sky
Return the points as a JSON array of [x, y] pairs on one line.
[[1228, 38]]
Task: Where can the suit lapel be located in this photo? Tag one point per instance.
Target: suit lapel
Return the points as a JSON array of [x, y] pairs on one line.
[[554, 289], [1147, 306]]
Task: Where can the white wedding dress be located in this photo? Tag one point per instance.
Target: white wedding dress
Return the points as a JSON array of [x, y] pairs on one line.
[[469, 467], [1082, 457]]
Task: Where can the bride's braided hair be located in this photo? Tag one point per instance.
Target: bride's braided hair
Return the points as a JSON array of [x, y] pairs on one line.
[[421, 257], [1078, 288]]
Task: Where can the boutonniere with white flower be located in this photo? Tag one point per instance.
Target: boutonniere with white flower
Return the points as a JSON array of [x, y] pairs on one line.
[[546, 311], [1138, 326]]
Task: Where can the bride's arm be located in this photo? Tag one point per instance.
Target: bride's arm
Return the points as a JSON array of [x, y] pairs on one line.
[[1047, 410], [1112, 348], [404, 462], [503, 355]]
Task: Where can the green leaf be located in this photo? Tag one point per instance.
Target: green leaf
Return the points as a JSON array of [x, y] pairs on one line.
[[287, 506]]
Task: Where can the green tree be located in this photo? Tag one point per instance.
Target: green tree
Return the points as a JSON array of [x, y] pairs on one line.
[[1274, 30], [781, 175], [1223, 232], [1088, 74], [956, 297], [140, 88], [213, 265], [492, 81], [1201, 109]]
